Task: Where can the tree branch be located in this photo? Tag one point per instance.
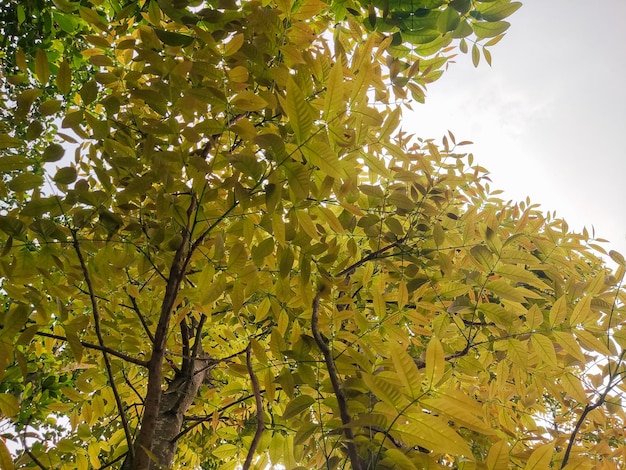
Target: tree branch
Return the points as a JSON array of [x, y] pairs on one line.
[[155, 367], [342, 401], [588, 409], [105, 355], [103, 349], [142, 319], [260, 419]]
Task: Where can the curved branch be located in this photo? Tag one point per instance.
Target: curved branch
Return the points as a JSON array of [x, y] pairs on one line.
[[259, 409], [342, 400]]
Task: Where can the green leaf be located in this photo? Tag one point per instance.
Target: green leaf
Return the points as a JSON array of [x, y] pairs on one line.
[[25, 182], [448, 20], [53, 153], [488, 30], [420, 37], [64, 78], [65, 175], [91, 16], [475, 55], [42, 66], [297, 406], [498, 10], [12, 226], [225, 451], [7, 142], [173, 39]]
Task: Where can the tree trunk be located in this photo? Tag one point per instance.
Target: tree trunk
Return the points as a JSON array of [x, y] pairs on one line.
[[175, 402]]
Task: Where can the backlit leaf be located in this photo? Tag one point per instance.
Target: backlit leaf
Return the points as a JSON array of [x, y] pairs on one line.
[[435, 362], [541, 457], [42, 66]]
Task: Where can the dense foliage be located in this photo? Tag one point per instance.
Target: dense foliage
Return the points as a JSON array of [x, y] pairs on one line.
[[220, 248]]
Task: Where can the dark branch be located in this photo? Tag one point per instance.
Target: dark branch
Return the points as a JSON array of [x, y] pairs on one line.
[[342, 401], [103, 349], [260, 419], [105, 355]]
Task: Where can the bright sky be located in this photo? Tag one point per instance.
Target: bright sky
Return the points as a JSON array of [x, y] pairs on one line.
[[548, 117]]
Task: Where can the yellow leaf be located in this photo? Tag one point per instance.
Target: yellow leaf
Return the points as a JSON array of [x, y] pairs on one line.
[[572, 386], [399, 460], [569, 344], [9, 405], [64, 78], [591, 343], [238, 74], [582, 311], [92, 451], [460, 408], [433, 433], [540, 458], [318, 153], [544, 348], [379, 302], [334, 103], [6, 461], [308, 9], [435, 362], [403, 294], [298, 111], [234, 44], [249, 101], [558, 312], [332, 219], [406, 369], [517, 274], [498, 457], [306, 224]]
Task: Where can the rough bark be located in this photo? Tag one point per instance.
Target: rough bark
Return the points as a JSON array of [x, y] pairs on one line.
[[175, 402]]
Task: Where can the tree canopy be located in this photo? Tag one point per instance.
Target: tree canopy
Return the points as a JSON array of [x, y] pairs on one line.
[[221, 248]]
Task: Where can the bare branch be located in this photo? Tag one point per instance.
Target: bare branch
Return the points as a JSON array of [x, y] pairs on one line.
[[260, 419], [96, 317], [342, 401], [104, 349], [142, 319]]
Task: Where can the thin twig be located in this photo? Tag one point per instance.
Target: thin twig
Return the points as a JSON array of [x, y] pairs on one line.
[[35, 460], [105, 355], [142, 319], [104, 349], [342, 400], [260, 419]]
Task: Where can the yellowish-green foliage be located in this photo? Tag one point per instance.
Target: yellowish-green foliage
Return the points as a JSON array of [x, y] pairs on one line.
[[248, 261]]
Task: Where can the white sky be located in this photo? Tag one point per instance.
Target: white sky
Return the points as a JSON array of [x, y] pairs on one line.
[[548, 117]]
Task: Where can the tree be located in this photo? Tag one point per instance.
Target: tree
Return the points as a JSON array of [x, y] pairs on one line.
[[249, 261]]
